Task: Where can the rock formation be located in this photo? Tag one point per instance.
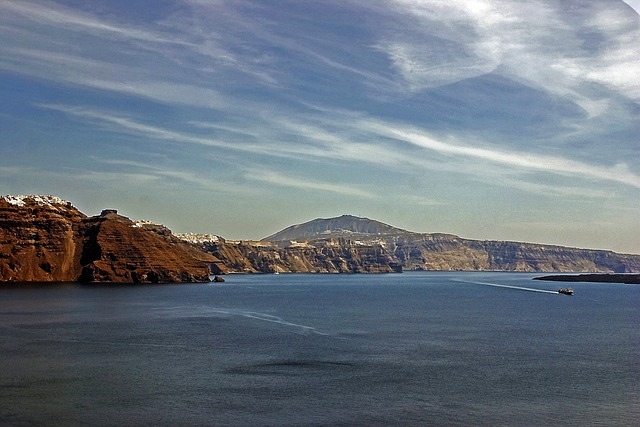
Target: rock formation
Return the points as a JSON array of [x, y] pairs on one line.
[[327, 256], [43, 238], [47, 239], [349, 243], [115, 249], [39, 239]]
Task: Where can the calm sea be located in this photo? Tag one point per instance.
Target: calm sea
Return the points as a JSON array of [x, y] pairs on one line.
[[310, 350]]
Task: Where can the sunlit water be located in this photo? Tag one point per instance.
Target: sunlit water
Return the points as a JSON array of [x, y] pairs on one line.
[[397, 349]]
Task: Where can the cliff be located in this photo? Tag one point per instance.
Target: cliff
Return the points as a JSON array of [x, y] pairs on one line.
[[416, 253], [445, 252], [115, 249], [43, 238], [368, 245], [325, 256], [39, 239]]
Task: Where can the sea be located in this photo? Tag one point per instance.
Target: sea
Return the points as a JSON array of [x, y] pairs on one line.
[[410, 349]]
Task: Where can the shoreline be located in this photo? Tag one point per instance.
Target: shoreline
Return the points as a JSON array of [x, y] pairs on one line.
[[626, 278]]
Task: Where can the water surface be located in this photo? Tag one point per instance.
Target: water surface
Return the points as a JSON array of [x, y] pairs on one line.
[[397, 349]]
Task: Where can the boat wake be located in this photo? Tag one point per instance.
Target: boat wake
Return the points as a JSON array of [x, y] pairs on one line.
[[226, 312], [274, 319], [519, 288]]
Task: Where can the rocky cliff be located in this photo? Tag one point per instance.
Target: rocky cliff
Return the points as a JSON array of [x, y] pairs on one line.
[[323, 256], [115, 249], [368, 245], [47, 239], [39, 239], [445, 252]]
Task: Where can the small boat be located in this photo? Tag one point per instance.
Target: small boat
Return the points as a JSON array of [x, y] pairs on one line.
[[565, 291], [218, 279]]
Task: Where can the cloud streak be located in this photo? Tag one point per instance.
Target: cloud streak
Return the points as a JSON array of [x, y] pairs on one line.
[[275, 178], [342, 143], [519, 160]]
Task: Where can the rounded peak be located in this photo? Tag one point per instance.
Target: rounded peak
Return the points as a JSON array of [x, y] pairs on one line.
[[341, 226]]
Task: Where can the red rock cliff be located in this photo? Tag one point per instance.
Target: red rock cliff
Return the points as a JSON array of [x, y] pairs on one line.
[[39, 239], [47, 239]]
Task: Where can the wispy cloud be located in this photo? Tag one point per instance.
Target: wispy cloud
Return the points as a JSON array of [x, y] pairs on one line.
[[124, 124], [619, 173], [60, 16], [161, 174], [343, 140], [554, 191], [104, 75], [275, 178]]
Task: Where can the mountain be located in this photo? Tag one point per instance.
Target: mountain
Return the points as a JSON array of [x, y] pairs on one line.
[[44, 238], [347, 226], [433, 251]]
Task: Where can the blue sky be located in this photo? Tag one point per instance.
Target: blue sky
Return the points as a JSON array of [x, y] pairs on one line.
[[489, 119]]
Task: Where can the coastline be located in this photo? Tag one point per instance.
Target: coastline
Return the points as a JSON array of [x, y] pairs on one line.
[[627, 278]]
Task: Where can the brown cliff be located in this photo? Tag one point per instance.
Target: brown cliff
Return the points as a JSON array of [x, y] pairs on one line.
[[47, 239], [39, 239], [115, 249]]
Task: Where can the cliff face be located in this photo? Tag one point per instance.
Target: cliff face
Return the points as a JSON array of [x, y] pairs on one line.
[[39, 239], [324, 256], [452, 253], [415, 253], [372, 246], [47, 239], [114, 249]]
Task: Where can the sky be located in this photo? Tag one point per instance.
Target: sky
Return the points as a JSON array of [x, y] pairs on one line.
[[491, 119]]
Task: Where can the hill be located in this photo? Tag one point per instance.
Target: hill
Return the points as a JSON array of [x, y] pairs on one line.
[[437, 251], [345, 226]]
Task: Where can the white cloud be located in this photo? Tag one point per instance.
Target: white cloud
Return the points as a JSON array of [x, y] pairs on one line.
[[59, 16], [635, 4], [619, 173], [275, 178], [127, 125], [553, 191], [98, 74], [366, 140], [535, 43]]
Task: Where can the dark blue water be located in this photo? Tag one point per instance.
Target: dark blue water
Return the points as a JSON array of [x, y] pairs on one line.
[[286, 350]]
